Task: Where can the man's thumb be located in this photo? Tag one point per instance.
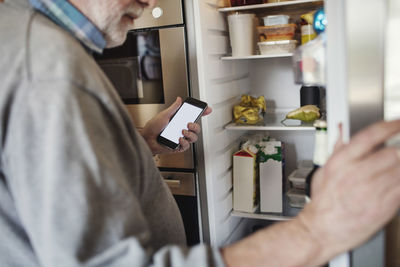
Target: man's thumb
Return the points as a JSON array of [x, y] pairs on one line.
[[174, 107]]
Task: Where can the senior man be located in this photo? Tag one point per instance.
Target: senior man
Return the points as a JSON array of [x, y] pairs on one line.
[[78, 186]]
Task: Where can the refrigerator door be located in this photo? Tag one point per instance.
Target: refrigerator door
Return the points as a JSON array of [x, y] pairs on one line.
[[365, 45], [392, 59], [391, 112], [355, 89]]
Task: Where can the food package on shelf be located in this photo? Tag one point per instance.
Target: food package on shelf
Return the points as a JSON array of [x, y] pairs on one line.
[[245, 184], [250, 110], [307, 33], [297, 192], [276, 32], [271, 160], [308, 17], [277, 47], [272, 20]]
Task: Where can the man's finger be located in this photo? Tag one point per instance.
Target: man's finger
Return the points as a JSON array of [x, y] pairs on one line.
[[382, 160], [184, 144], [369, 139], [190, 136], [194, 127], [207, 111]]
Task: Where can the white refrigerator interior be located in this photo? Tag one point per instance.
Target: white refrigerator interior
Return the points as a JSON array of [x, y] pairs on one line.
[[221, 84]]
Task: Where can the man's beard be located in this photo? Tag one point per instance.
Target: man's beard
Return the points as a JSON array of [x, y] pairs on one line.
[[110, 25]]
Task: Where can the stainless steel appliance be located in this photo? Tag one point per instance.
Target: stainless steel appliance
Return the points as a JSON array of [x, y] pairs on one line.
[[363, 87], [149, 71], [183, 187]]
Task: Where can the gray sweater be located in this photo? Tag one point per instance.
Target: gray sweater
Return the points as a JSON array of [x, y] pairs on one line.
[[78, 186]]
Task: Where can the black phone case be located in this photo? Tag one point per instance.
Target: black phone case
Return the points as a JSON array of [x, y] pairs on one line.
[[189, 100]]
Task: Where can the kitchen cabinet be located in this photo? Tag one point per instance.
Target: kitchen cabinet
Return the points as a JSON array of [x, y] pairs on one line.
[[354, 97]]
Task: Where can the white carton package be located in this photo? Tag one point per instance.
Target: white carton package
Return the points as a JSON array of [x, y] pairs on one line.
[[271, 179], [244, 182]]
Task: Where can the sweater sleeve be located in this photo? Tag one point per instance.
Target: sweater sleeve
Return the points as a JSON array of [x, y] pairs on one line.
[[80, 178]]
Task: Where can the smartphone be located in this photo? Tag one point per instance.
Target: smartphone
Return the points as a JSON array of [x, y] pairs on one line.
[[190, 111]]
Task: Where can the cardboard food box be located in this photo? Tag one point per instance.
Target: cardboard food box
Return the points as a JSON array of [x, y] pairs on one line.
[[271, 177], [245, 196]]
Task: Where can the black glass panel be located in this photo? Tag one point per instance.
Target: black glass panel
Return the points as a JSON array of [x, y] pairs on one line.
[[135, 68], [188, 208]]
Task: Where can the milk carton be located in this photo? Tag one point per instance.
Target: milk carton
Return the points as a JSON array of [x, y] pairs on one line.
[[271, 162], [245, 176]]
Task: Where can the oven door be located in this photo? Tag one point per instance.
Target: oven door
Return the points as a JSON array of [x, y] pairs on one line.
[[172, 70], [174, 83], [149, 71]]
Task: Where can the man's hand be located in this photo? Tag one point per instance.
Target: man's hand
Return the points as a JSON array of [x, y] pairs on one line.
[[358, 190], [153, 127]]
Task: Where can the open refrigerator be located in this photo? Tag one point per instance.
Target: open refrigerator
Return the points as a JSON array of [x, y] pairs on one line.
[[361, 87]]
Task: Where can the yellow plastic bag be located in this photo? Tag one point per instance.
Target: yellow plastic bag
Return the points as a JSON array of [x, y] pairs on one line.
[[250, 110]]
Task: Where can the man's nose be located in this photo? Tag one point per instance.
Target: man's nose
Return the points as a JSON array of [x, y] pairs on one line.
[[148, 3]]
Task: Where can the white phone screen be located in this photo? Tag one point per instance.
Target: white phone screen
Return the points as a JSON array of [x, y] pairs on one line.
[[187, 113]]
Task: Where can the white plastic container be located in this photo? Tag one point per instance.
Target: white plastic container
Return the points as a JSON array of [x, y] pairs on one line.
[[242, 33], [305, 164], [277, 47], [309, 61], [297, 198], [276, 20], [298, 178]]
